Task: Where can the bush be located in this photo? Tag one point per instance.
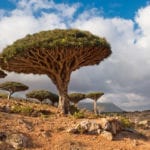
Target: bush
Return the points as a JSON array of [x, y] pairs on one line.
[[78, 115], [126, 122], [26, 110]]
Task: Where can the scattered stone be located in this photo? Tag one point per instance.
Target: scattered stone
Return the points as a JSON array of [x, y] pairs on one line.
[[144, 123], [135, 143], [18, 140], [107, 135], [6, 146], [27, 124], [2, 136], [46, 134]]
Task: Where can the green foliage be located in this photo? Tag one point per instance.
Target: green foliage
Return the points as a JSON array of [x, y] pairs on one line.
[[94, 95], [13, 86], [42, 95], [79, 115], [26, 110], [53, 39], [126, 122], [76, 97]]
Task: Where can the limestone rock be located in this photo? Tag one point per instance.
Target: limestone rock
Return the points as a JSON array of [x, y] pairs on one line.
[[86, 126], [83, 126], [144, 123], [107, 135]]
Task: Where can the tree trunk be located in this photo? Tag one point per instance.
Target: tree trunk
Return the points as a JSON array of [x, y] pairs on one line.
[[95, 107], [9, 95], [76, 104], [64, 103]]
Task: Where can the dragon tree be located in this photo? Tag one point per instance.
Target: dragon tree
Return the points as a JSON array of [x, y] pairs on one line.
[[13, 87], [95, 96], [76, 97], [41, 95], [56, 53]]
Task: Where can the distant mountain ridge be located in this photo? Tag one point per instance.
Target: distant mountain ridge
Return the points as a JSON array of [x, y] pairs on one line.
[[101, 107]]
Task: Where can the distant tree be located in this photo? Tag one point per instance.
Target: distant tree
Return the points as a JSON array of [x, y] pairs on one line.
[[2, 74], [76, 97], [13, 87], [42, 95], [95, 96], [56, 53]]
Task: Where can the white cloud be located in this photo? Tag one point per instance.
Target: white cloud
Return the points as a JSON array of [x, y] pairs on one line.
[[124, 77]]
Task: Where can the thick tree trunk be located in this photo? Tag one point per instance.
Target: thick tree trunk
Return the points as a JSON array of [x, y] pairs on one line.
[[64, 103], [95, 107]]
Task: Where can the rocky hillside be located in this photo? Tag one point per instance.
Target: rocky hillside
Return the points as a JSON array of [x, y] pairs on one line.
[[101, 107], [32, 126]]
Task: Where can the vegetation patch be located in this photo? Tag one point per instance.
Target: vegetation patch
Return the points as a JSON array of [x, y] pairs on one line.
[[25, 110]]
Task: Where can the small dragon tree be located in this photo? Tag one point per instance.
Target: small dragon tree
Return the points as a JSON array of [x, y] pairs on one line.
[[13, 87], [56, 53], [42, 95], [95, 96], [76, 97], [2, 74]]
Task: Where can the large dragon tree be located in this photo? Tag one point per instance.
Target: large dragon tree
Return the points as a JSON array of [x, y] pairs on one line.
[[55, 53]]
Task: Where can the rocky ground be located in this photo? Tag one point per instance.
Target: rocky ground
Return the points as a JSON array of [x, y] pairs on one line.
[[31, 126]]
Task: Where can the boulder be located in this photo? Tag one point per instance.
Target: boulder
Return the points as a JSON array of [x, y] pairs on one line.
[[83, 127], [18, 140], [86, 126], [107, 135], [144, 124], [116, 126]]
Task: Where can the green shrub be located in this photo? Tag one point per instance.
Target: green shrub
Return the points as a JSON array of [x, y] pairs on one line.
[[78, 115], [126, 122], [26, 110]]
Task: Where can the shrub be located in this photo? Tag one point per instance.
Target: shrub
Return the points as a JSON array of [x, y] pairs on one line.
[[78, 115], [126, 122], [26, 110]]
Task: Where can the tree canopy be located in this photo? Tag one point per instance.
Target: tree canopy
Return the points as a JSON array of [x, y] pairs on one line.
[[94, 95], [55, 53], [76, 97], [13, 87], [42, 95]]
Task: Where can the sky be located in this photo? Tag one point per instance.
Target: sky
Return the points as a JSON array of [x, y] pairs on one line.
[[124, 77]]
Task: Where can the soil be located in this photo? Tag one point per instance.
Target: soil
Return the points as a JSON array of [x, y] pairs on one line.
[[48, 130]]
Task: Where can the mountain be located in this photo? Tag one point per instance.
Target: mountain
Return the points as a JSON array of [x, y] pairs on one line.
[[101, 107]]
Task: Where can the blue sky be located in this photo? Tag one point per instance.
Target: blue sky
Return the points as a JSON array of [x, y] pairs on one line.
[[108, 8], [124, 77]]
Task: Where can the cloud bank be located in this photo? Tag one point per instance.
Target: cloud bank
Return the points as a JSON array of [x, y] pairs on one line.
[[124, 77]]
